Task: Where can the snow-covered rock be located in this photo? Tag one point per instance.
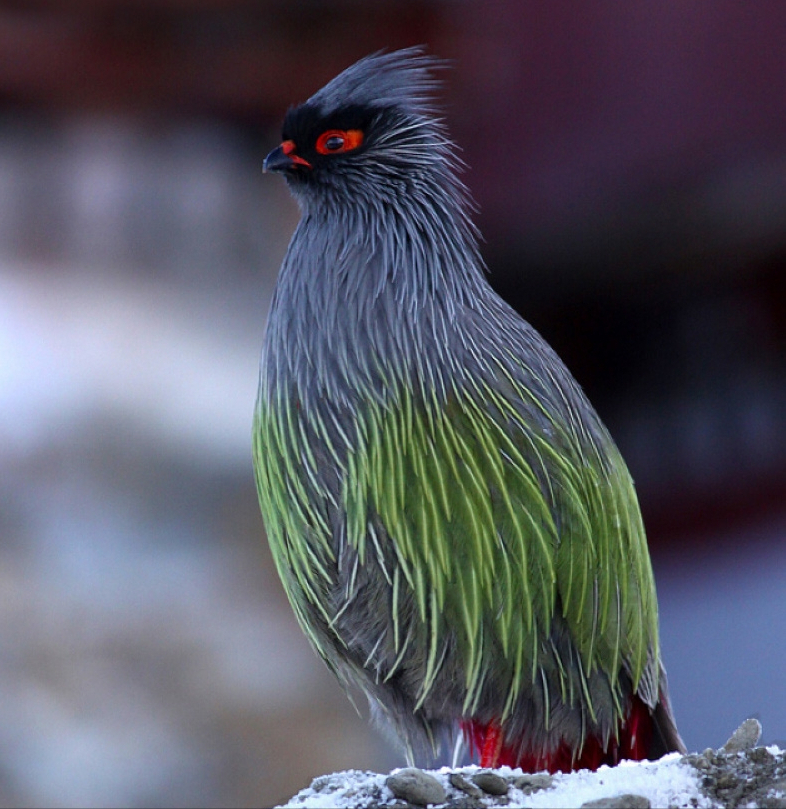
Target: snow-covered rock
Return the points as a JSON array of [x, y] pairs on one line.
[[737, 775]]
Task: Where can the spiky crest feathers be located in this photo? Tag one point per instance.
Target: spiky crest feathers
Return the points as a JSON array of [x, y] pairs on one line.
[[404, 80]]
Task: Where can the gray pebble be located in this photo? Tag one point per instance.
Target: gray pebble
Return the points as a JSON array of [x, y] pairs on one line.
[[460, 782], [491, 782], [700, 762], [745, 737], [416, 786], [533, 783], [760, 755], [726, 780], [626, 801]]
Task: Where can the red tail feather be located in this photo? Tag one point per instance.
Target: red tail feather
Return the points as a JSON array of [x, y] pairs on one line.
[[495, 751]]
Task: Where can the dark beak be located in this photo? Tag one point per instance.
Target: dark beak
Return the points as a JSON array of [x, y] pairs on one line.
[[283, 158]]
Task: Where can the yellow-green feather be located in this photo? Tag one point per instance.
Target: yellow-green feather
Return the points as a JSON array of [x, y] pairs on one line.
[[494, 524]]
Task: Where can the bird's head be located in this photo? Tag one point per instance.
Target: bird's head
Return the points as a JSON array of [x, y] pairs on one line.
[[373, 131]]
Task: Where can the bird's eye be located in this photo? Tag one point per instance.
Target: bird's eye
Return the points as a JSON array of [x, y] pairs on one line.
[[335, 141]]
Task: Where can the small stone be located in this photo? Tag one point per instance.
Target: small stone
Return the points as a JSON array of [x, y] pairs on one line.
[[726, 780], [626, 801], [760, 755], [745, 737], [700, 762], [460, 782], [321, 783], [533, 783], [491, 783], [416, 786]]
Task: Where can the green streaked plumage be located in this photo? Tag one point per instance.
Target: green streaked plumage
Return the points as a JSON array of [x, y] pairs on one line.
[[456, 487]]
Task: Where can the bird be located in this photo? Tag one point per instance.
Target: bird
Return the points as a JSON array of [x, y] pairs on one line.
[[455, 529]]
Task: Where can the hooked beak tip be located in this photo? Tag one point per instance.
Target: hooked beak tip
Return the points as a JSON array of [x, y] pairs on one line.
[[283, 157]]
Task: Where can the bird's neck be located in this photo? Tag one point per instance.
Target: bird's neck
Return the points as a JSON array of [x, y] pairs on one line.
[[411, 240], [370, 293]]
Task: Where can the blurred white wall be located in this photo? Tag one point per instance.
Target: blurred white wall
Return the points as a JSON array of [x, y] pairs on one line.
[[147, 654]]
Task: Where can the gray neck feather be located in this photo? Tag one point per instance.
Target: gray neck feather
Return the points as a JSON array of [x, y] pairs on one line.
[[374, 281]]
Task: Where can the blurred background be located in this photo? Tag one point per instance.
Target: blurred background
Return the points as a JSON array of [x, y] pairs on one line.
[[629, 160]]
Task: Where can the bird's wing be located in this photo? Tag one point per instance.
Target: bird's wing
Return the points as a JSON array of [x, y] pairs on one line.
[[503, 507]]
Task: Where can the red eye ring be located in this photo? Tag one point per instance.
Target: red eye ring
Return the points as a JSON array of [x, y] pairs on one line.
[[336, 141]]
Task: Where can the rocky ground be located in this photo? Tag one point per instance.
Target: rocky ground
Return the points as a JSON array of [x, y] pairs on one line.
[[740, 774]]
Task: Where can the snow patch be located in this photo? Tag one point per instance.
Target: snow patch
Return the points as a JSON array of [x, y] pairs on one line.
[[668, 782]]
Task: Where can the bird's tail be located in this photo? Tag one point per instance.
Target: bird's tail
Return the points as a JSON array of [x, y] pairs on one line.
[[646, 733]]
